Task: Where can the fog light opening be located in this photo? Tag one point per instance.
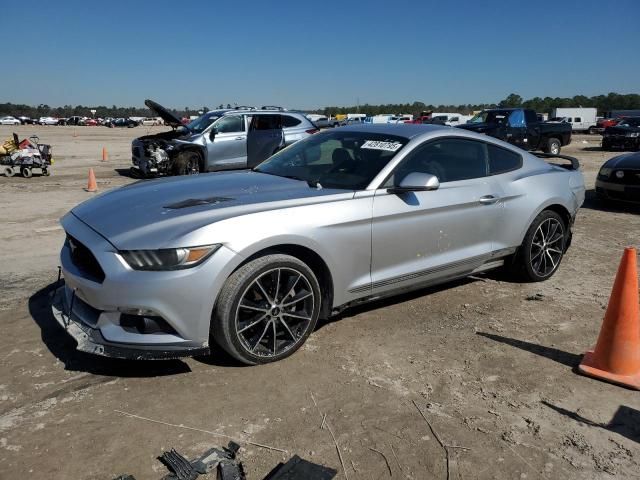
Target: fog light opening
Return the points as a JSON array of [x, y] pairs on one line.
[[145, 324]]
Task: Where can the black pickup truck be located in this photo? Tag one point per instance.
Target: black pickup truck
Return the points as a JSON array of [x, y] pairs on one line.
[[520, 126]]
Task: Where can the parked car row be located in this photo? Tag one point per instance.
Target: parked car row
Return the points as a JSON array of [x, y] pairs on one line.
[[81, 121]]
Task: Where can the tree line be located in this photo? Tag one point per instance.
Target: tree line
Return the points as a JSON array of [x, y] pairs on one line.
[[66, 111], [604, 103]]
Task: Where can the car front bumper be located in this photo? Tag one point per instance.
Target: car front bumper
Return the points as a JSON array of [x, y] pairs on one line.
[[618, 191], [92, 309]]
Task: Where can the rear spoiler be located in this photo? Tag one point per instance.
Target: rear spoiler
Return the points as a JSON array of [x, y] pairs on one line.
[[575, 164]]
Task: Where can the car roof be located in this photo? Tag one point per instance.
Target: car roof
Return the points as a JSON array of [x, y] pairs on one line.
[[408, 130]]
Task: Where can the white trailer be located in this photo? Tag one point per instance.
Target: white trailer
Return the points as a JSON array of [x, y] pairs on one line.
[[581, 119]]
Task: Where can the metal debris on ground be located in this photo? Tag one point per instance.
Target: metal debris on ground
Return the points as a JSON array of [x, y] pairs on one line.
[[222, 460], [227, 467], [300, 469]]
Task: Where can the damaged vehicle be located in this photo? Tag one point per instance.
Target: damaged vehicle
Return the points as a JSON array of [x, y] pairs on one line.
[[249, 260], [225, 139]]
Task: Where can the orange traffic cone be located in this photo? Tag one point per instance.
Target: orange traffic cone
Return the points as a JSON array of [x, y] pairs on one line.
[[104, 154], [616, 356], [92, 186]]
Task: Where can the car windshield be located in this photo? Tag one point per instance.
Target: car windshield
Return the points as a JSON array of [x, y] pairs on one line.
[[491, 116], [201, 123], [341, 159], [630, 122]]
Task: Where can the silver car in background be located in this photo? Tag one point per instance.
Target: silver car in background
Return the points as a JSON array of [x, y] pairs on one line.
[[251, 259], [225, 139]]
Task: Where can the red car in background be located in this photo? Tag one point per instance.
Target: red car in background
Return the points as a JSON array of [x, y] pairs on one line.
[[606, 122]]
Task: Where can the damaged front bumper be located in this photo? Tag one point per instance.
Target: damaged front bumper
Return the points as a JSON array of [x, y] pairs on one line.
[[68, 312]]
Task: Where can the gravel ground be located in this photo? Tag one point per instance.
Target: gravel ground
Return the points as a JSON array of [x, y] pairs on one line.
[[490, 363]]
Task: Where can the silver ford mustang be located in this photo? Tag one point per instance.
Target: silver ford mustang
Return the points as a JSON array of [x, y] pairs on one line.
[[251, 259]]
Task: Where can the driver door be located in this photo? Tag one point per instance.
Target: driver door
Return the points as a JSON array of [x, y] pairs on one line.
[[227, 143], [426, 236], [264, 139]]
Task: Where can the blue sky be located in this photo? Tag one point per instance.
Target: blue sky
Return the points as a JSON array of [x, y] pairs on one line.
[[308, 54]]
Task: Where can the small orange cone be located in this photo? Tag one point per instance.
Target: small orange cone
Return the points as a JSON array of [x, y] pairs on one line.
[[92, 186], [104, 154], [616, 356]]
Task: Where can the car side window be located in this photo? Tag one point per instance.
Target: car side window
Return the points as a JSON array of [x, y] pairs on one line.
[[530, 116], [289, 121], [266, 122], [450, 160], [577, 120], [516, 119], [502, 160], [230, 124]]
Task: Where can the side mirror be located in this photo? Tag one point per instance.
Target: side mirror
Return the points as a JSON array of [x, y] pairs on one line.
[[212, 133], [416, 182]]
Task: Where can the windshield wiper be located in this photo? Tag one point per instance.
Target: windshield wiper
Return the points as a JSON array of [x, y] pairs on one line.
[[311, 183]]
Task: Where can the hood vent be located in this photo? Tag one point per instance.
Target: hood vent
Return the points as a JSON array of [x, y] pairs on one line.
[[194, 202]]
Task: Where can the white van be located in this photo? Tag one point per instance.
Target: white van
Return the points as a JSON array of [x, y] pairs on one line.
[[451, 119], [581, 119]]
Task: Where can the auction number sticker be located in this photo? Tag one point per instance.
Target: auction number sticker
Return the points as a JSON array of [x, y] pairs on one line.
[[377, 145]]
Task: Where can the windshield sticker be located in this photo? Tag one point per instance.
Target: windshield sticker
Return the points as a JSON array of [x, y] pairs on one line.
[[376, 145]]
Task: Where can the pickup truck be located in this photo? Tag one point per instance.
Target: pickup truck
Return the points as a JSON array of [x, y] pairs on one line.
[[521, 127]]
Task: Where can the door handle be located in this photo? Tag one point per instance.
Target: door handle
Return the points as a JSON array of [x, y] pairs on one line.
[[239, 138], [488, 199]]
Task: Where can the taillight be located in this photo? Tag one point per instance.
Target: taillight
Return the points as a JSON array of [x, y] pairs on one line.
[[312, 131]]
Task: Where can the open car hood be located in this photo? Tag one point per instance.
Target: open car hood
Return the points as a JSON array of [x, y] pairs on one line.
[[168, 117]]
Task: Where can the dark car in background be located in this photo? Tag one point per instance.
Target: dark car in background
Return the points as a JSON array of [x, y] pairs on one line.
[[619, 179], [625, 135], [121, 122], [521, 127]]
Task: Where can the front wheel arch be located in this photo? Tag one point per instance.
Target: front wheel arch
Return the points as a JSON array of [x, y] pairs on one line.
[[314, 261]]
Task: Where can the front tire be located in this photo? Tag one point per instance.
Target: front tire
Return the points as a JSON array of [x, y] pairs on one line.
[[187, 163], [553, 146], [267, 309], [542, 249]]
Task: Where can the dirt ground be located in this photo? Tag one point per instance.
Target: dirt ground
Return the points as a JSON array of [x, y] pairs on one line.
[[491, 364]]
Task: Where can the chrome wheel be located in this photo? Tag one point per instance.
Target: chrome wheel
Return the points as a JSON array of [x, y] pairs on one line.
[[547, 247], [274, 312]]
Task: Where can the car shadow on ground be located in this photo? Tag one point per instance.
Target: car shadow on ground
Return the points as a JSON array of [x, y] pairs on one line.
[[393, 300], [625, 422], [592, 202], [128, 173], [592, 149], [63, 347]]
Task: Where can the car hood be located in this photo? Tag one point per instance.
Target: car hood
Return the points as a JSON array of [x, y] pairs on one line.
[[168, 117], [157, 214], [618, 129], [628, 160]]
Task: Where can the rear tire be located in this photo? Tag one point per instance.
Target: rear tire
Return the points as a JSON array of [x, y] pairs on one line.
[[592, 130], [8, 172], [26, 172], [553, 146], [266, 309], [542, 249]]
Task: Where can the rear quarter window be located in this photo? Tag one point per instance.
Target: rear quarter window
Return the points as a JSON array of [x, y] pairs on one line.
[[502, 160], [288, 121]]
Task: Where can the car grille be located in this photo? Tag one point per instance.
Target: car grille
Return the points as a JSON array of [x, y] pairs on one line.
[[631, 177], [84, 260]]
